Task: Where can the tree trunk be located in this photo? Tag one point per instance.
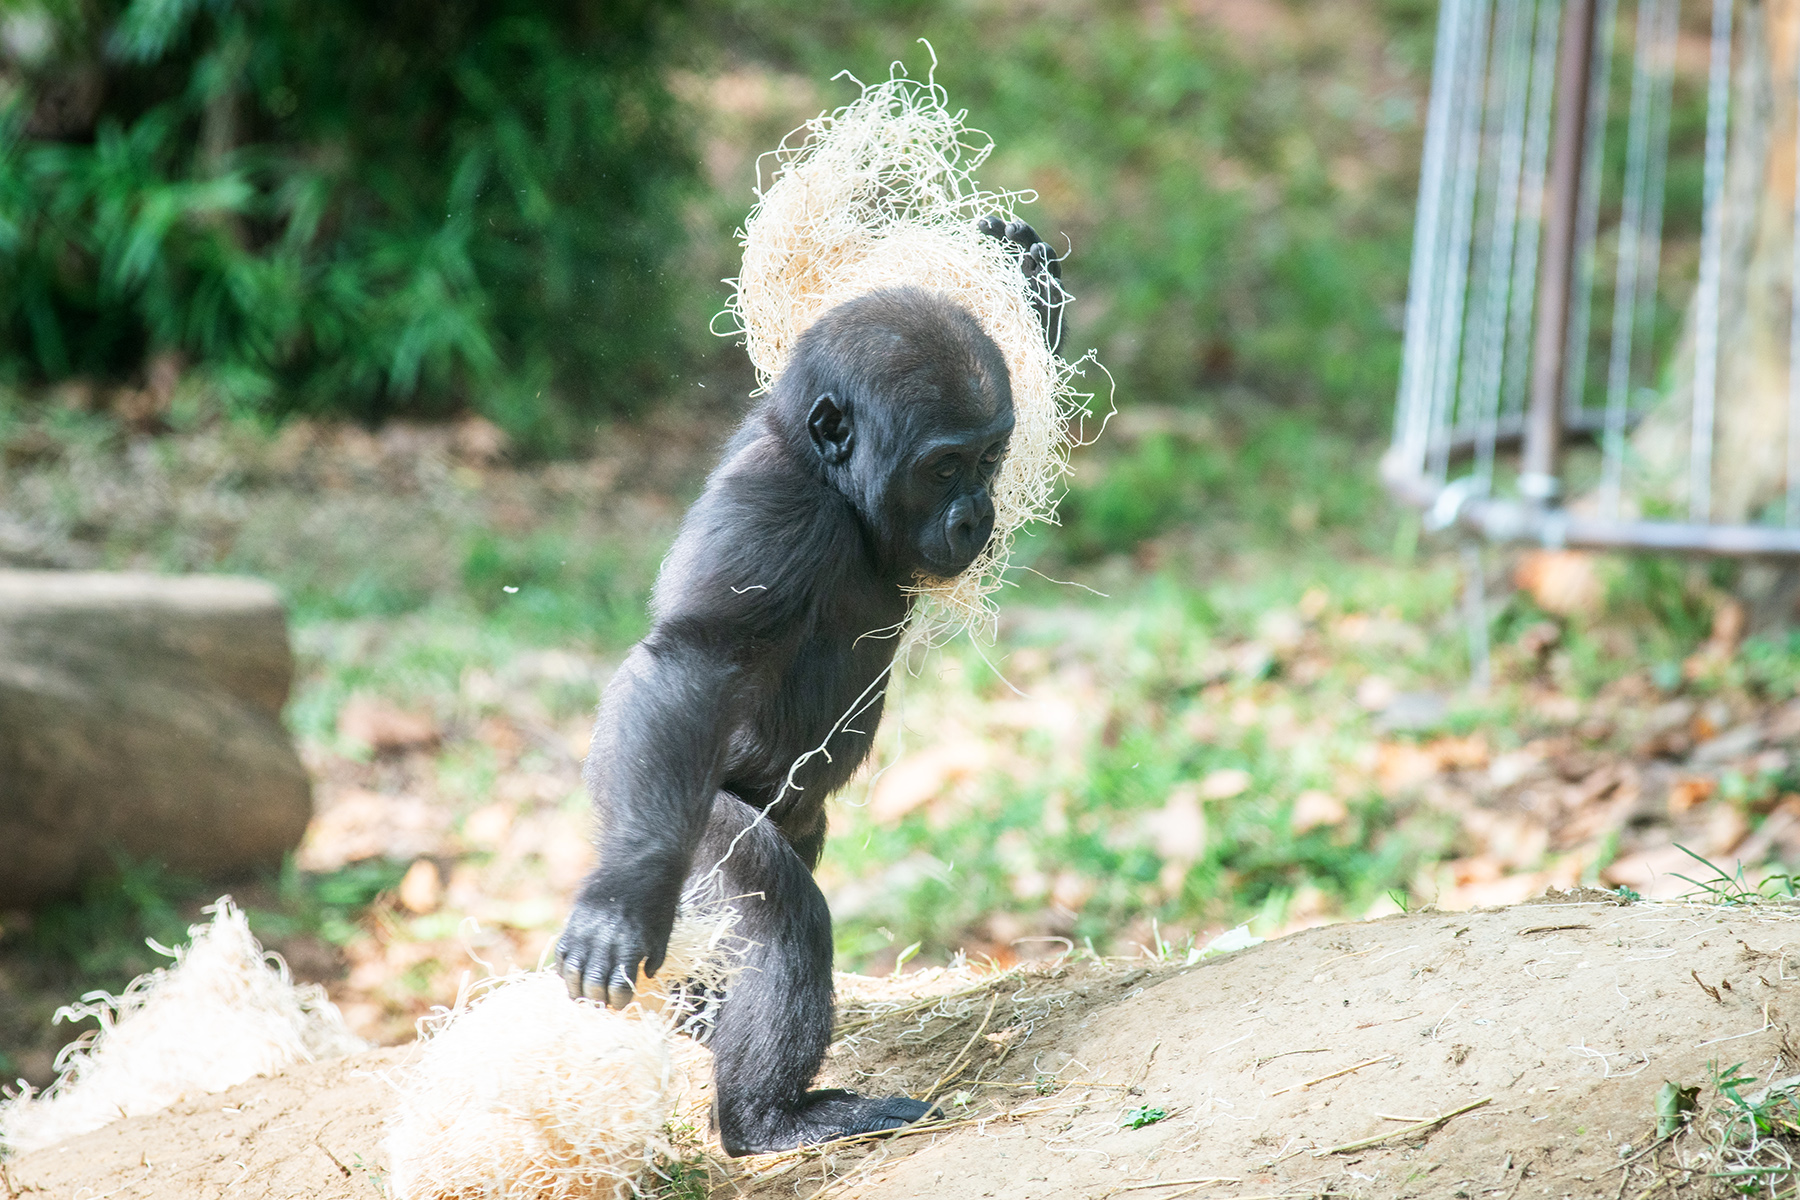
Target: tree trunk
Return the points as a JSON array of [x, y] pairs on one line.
[[140, 716]]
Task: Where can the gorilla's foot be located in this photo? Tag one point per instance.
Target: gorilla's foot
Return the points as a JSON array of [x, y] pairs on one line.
[[822, 1117]]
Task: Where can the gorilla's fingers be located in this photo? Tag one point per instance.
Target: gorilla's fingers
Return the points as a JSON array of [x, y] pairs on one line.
[[593, 987], [619, 994], [993, 226], [571, 977]]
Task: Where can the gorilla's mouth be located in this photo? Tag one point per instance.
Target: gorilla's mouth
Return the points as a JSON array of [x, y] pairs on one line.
[[944, 566]]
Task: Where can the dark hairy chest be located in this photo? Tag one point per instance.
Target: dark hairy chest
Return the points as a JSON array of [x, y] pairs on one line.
[[811, 721]]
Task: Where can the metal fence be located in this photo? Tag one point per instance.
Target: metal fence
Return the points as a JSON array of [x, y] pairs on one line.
[[1569, 270]]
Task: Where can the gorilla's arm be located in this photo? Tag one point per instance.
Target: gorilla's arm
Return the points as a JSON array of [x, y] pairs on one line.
[[730, 603], [656, 761]]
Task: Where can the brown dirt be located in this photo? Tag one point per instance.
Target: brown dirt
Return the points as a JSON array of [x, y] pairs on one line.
[[1568, 1013], [305, 1134]]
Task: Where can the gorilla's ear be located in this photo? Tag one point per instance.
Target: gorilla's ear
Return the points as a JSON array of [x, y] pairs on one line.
[[829, 424]]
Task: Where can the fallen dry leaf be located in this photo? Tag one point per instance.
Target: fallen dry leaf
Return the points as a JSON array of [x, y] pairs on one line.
[[1401, 766], [1178, 829], [373, 722], [501, 736], [1072, 891], [1224, 783], [1726, 829], [421, 888], [1690, 792], [358, 824], [1563, 582], [486, 828], [1314, 808], [1652, 873], [1459, 753], [924, 775], [1376, 692]]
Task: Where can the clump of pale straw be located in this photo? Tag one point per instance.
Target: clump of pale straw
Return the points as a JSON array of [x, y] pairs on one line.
[[520, 1093], [223, 1013], [882, 193]]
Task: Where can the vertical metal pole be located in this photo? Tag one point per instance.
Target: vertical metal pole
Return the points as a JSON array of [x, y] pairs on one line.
[[1792, 507], [1712, 254], [1543, 420], [1511, 73], [1645, 67], [1587, 213], [1481, 668], [1531, 209], [1412, 423], [1450, 337]]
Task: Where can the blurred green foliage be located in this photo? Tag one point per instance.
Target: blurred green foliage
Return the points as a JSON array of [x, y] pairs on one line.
[[413, 208], [364, 209], [1238, 199], [1276, 478], [101, 931], [546, 586]]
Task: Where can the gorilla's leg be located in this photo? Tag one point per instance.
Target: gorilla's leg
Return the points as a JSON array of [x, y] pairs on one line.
[[775, 1024]]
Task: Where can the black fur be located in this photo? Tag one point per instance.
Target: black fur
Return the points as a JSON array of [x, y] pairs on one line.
[[760, 686]]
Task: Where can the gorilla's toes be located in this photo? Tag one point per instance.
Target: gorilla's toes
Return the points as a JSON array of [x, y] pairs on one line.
[[871, 1114], [826, 1116], [896, 1111]]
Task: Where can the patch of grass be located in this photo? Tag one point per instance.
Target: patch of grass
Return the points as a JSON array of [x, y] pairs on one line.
[[1144, 1114], [1264, 478], [551, 588], [327, 904], [680, 1179], [99, 934], [1771, 664], [442, 660]]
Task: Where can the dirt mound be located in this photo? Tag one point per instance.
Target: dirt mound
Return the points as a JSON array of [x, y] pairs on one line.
[[309, 1133], [1546, 1029]]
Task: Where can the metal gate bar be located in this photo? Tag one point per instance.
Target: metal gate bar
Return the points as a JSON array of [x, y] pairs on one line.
[[1505, 245]]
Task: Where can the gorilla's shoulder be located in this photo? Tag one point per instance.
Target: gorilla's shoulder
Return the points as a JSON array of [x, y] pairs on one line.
[[761, 544]]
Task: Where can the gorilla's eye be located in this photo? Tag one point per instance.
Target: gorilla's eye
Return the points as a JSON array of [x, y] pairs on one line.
[[946, 470], [992, 456]]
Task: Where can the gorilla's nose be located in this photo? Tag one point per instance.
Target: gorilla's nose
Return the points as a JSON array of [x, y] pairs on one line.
[[970, 524]]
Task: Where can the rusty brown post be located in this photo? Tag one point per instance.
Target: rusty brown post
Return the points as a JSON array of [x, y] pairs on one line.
[[1538, 478]]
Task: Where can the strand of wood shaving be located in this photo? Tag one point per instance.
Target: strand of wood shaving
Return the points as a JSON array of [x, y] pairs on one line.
[[957, 1062], [1321, 1079], [1420, 1127]]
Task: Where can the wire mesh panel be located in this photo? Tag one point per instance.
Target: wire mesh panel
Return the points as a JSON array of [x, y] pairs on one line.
[[1600, 327]]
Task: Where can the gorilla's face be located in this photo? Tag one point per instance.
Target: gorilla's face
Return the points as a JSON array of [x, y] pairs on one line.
[[909, 410], [943, 493]]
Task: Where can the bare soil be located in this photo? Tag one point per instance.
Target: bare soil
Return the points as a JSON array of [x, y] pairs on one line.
[[1560, 1019]]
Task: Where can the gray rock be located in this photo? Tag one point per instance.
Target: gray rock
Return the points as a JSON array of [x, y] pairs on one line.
[[1733, 744], [1414, 712], [141, 715]]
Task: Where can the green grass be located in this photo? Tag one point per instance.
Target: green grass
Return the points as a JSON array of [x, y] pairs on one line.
[[100, 933]]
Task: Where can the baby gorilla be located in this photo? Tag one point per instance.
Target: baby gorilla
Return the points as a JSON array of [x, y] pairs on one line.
[[758, 691]]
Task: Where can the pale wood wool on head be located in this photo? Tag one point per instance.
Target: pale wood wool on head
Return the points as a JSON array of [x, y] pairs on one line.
[[882, 193]]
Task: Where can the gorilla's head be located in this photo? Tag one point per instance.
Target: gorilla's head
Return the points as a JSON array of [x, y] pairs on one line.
[[904, 405]]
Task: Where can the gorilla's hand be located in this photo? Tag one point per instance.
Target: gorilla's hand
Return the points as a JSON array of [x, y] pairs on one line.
[[611, 930], [1041, 267]]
